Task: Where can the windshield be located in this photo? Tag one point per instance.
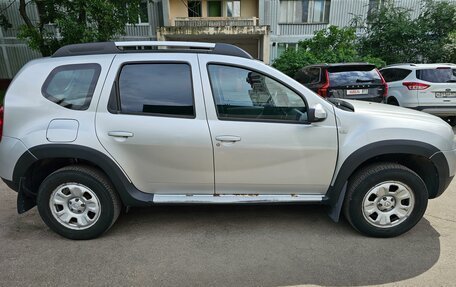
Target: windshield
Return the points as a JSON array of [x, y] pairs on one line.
[[439, 75], [353, 77]]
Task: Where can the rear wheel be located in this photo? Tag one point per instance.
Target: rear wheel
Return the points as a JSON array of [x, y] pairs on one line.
[[385, 200], [78, 202], [392, 101]]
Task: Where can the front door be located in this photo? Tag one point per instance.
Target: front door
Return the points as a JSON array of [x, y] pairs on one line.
[[261, 145], [154, 124]]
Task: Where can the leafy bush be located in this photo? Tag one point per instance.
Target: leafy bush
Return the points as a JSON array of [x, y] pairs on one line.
[[332, 45], [392, 33]]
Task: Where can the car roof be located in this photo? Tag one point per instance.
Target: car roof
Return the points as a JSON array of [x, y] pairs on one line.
[[339, 65], [413, 66], [150, 47]]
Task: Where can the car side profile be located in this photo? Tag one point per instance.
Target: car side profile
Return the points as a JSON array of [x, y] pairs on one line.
[[430, 88], [102, 126], [352, 81]]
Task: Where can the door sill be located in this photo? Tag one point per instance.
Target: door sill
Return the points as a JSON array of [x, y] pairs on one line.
[[236, 198]]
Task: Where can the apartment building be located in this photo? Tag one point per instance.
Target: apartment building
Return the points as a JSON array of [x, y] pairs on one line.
[[264, 28]]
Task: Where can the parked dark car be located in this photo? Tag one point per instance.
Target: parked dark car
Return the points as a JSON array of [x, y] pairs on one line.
[[357, 81]]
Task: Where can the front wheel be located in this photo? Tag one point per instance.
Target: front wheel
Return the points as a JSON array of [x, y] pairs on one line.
[[451, 121], [78, 202], [385, 200]]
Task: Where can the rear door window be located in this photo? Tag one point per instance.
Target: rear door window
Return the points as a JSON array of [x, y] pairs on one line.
[[72, 86], [156, 89], [347, 76], [439, 75]]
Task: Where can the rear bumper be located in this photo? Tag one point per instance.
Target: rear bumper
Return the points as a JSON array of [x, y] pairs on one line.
[[11, 149], [443, 111]]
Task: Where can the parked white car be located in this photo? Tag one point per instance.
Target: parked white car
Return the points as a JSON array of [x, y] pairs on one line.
[[429, 88], [101, 126]]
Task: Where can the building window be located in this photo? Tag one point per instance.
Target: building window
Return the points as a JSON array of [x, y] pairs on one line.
[[233, 8], [214, 8], [374, 5], [143, 17], [281, 47], [304, 11], [194, 8]]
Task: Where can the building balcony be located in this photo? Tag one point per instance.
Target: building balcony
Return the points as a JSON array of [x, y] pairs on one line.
[[214, 21]]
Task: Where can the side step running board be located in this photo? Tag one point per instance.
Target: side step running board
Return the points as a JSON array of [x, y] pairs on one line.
[[238, 198]]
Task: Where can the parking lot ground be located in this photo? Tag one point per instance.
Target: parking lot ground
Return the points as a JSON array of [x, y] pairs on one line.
[[228, 246]]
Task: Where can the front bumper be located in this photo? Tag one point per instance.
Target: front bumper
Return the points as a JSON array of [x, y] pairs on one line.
[[445, 162]]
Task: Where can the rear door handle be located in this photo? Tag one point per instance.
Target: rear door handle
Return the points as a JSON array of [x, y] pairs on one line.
[[230, 139], [120, 134]]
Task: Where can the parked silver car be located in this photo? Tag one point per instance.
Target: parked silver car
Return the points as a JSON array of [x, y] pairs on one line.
[[99, 126]]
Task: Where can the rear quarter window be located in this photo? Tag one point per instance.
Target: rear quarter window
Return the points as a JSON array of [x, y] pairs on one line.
[[439, 75], [72, 86]]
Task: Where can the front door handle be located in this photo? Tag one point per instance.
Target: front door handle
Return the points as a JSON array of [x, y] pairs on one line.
[[120, 134], [230, 139]]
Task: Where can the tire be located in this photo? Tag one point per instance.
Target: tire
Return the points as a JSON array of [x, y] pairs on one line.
[[78, 202], [451, 121], [385, 192], [392, 101]]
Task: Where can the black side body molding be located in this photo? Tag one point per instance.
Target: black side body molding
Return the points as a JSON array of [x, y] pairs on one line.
[[335, 194]]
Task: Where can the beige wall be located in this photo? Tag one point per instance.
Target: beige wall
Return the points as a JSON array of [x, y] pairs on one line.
[[177, 9], [249, 8]]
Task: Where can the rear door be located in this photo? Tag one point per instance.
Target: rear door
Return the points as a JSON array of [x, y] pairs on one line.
[[394, 77], [442, 86], [154, 124], [356, 82]]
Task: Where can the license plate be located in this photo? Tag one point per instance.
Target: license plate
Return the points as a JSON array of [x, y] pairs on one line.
[[445, 94], [357, 92]]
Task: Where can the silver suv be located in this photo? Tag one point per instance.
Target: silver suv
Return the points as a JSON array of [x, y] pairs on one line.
[[429, 88], [97, 127]]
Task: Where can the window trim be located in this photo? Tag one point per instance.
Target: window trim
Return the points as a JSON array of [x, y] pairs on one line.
[[259, 72], [116, 93], [90, 92]]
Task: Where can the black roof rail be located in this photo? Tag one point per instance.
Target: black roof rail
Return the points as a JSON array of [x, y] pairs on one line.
[[99, 48]]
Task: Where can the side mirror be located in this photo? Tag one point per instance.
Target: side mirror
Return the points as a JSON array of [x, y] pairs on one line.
[[316, 114]]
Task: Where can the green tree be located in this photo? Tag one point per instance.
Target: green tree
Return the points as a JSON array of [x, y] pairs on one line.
[[392, 33], [74, 21], [331, 45], [436, 24], [449, 49]]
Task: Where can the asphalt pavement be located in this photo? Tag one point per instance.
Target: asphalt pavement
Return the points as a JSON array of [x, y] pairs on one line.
[[228, 246]]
